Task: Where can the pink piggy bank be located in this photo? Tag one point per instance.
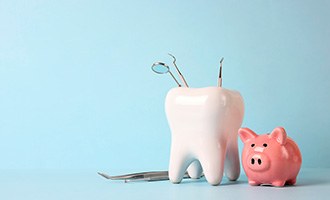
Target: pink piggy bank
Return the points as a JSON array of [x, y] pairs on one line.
[[272, 159]]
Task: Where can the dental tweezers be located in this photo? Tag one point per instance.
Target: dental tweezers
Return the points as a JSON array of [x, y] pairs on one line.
[[142, 176]]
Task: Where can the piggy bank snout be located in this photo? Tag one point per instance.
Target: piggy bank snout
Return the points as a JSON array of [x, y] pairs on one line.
[[258, 162]]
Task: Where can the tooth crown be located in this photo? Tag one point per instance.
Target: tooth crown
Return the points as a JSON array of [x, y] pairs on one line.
[[204, 124]]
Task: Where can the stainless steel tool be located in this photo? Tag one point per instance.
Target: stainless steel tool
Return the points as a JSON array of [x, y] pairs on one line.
[[162, 68], [220, 74], [177, 70], [142, 176]]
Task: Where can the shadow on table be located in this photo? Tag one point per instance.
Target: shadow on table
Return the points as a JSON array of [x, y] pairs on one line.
[[312, 182], [224, 182]]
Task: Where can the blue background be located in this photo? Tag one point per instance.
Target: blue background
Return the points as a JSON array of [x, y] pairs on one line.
[[77, 92]]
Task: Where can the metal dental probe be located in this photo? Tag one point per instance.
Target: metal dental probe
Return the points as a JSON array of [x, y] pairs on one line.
[[220, 74], [177, 69]]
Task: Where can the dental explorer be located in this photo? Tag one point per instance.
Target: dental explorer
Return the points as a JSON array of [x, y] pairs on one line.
[[220, 74], [177, 69]]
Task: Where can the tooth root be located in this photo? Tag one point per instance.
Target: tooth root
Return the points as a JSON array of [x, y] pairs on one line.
[[195, 170], [179, 163], [210, 159], [213, 164], [232, 164]]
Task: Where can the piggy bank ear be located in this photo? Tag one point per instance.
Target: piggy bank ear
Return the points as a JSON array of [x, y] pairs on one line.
[[279, 135], [246, 134]]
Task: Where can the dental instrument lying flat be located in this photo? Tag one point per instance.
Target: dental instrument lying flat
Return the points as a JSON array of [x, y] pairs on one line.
[[177, 70], [142, 176], [220, 74], [162, 68]]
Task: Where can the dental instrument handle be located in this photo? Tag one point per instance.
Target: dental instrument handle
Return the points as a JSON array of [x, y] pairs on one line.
[[174, 79], [220, 74], [178, 71], [183, 80], [220, 82]]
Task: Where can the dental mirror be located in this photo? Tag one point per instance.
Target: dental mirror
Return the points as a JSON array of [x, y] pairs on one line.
[[162, 68]]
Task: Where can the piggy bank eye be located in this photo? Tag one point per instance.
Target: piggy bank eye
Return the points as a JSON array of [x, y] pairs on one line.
[[265, 145], [252, 145]]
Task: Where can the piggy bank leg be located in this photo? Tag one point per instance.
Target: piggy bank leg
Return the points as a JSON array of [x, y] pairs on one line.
[[195, 170], [278, 183], [254, 183], [212, 161], [232, 164], [291, 181]]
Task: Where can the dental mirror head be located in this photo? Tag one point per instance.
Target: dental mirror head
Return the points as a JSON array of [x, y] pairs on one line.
[[162, 68]]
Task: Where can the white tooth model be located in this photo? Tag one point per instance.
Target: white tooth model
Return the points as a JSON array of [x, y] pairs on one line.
[[204, 123]]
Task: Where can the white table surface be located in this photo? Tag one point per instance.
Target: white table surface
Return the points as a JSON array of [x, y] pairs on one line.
[[52, 184]]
